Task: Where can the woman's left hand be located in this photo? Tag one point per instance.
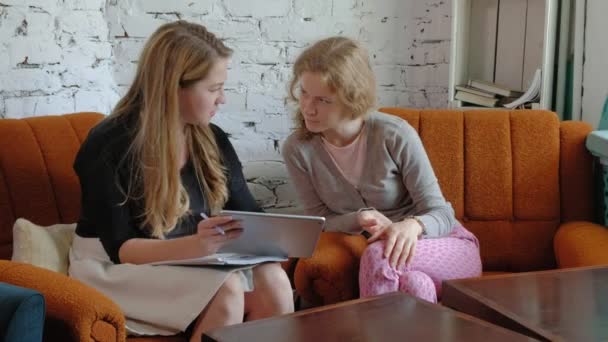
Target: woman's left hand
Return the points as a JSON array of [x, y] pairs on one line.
[[401, 238]]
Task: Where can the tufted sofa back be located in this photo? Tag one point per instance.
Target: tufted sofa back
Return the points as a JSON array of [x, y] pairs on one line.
[[37, 181], [511, 176]]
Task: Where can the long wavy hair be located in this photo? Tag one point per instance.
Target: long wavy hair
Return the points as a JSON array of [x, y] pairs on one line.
[[177, 55], [345, 68]]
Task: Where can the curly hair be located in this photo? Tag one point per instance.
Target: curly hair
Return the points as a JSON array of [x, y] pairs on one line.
[[345, 68]]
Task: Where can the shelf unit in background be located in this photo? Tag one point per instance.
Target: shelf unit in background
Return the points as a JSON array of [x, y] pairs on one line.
[[503, 41]]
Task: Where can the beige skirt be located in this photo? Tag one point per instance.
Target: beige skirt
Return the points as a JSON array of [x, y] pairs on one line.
[[156, 300]]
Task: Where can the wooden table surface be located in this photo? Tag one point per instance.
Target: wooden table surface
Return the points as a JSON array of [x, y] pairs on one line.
[[392, 317], [557, 305]]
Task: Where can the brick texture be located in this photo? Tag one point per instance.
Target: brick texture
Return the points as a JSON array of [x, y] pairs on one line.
[[60, 56]]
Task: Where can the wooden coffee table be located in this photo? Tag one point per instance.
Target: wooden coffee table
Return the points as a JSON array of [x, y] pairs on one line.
[[569, 304], [392, 317]]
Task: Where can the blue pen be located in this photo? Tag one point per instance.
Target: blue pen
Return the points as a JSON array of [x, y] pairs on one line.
[[217, 228]]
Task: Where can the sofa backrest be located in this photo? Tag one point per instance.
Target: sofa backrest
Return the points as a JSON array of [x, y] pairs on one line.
[[37, 181], [511, 176]]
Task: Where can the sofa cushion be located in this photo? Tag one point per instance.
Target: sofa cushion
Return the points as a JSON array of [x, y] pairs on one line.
[[46, 247], [21, 314]]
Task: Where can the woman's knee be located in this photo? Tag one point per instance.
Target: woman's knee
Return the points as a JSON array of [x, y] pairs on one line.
[[272, 290], [373, 257], [374, 251], [231, 292], [271, 277], [228, 304], [376, 276], [418, 284]]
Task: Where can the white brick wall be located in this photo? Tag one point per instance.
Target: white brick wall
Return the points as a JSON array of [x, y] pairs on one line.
[[57, 103], [255, 9], [60, 56], [93, 5], [36, 51], [175, 6]]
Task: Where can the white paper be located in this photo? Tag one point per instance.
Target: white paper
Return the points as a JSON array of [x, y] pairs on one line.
[[223, 259], [531, 95]]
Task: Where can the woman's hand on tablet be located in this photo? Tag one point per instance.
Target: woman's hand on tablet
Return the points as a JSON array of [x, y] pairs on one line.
[[212, 233]]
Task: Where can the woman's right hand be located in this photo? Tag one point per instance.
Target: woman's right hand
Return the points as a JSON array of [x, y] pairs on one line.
[[209, 234], [373, 221]]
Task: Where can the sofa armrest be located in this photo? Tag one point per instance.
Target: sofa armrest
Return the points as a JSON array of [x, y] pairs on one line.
[[75, 311], [331, 275], [581, 243], [576, 181]]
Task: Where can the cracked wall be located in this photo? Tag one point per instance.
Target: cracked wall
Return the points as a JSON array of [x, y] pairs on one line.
[[59, 56]]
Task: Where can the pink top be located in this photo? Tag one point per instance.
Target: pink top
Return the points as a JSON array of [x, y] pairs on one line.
[[349, 159]]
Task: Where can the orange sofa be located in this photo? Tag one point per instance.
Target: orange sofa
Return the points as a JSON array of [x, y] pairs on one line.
[[509, 175], [521, 181], [37, 182]]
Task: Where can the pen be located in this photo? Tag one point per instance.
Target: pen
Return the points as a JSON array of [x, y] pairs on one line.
[[217, 228]]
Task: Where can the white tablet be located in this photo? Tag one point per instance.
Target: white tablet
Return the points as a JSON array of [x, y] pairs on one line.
[[293, 236]]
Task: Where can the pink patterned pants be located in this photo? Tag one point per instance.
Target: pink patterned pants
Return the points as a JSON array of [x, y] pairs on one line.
[[452, 257]]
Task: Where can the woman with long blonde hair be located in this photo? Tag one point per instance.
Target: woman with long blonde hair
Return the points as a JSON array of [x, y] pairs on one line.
[[367, 173], [147, 172]]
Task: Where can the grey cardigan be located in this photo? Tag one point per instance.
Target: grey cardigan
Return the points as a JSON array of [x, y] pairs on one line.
[[398, 179]]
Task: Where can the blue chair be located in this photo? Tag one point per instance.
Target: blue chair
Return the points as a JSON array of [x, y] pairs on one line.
[[22, 314]]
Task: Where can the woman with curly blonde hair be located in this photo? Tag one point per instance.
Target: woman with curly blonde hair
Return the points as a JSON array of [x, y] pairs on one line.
[[147, 172], [367, 173]]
